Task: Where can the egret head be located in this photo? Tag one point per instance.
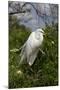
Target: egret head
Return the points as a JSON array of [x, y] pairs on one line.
[[40, 31]]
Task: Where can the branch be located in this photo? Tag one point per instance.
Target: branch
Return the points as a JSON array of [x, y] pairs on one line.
[[37, 11], [41, 51], [12, 13], [15, 50]]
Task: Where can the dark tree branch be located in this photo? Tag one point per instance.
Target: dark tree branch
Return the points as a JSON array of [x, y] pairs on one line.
[[37, 11], [20, 10], [12, 13]]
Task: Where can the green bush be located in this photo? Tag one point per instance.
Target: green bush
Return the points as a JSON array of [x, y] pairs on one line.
[[44, 71]]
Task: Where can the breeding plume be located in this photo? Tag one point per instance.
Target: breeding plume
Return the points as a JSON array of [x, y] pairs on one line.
[[31, 47]]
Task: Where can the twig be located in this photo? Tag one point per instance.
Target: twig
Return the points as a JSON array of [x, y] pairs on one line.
[[42, 51], [15, 50]]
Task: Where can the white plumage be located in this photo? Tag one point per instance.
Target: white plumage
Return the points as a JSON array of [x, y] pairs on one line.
[[31, 47]]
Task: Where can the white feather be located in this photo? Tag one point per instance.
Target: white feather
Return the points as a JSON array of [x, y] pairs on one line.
[[31, 47]]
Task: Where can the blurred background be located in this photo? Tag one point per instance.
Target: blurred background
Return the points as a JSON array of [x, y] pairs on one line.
[[34, 15]]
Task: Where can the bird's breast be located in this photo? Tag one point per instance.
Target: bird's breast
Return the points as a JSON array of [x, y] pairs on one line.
[[38, 41], [33, 42]]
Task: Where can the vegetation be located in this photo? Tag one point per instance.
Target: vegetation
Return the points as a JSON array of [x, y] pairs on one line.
[[44, 71]]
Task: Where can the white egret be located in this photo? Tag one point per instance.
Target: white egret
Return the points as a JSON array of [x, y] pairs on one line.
[[31, 47]]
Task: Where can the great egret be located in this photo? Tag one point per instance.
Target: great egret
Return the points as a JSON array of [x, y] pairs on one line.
[[31, 48]]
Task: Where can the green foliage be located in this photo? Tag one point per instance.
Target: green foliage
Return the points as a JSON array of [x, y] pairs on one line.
[[44, 71]]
